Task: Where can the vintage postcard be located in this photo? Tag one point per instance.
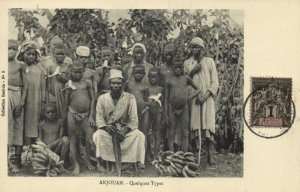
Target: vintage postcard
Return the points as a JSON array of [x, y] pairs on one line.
[[150, 96]]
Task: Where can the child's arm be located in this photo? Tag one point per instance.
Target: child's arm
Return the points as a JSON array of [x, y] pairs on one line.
[[41, 133], [95, 80], [166, 101], [92, 103], [191, 83]]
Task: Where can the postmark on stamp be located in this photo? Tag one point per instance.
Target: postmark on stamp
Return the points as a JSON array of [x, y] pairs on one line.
[[271, 102]]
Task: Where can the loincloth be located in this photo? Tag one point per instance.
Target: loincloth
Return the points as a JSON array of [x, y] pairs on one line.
[[178, 112], [78, 116]]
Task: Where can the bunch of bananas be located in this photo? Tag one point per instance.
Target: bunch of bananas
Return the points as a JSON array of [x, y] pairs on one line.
[[179, 164], [45, 162]]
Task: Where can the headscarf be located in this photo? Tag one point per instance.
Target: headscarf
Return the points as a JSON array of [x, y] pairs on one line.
[[83, 51], [139, 45], [197, 41], [27, 46]]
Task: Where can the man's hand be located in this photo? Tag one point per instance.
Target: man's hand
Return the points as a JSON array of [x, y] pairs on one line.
[[110, 129], [121, 134], [17, 111], [92, 122], [195, 70], [202, 99]]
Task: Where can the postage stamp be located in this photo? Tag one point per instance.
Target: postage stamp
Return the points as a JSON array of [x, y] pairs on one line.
[[271, 102]]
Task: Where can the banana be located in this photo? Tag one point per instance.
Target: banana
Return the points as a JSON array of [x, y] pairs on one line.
[[174, 172], [160, 171], [57, 170], [37, 146], [184, 173], [168, 161], [175, 160], [167, 153], [178, 165], [154, 162], [169, 157], [169, 170], [190, 158], [52, 174], [59, 163], [177, 170], [163, 168], [156, 165], [179, 153], [178, 157], [41, 156], [189, 172], [39, 161], [40, 143], [188, 154], [40, 172], [192, 165]]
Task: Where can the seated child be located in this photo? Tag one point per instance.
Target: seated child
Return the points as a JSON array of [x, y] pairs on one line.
[[51, 132]]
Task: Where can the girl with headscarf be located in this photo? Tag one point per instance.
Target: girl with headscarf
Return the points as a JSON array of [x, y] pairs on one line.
[[139, 54], [36, 96]]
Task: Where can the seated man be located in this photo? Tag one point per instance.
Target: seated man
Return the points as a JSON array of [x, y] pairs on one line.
[[117, 123]]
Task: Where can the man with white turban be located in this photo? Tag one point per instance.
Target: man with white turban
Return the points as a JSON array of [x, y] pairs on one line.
[[204, 74], [117, 119]]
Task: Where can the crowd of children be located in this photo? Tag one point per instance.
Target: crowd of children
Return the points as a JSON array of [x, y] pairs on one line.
[[54, 98]]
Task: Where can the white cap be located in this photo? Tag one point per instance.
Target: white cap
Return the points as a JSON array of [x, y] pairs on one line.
[[83, 51], [114, 73], [197, 41]]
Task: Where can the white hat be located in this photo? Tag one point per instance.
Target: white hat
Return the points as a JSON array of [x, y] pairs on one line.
[[197, 41], [114, 73], [83, 51], [139, 45]]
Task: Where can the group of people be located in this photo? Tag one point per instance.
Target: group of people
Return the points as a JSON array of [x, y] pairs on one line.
[[109, 108]]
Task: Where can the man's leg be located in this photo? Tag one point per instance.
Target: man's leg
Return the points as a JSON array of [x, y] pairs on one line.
[[156, 130], [185, 126], [73, 129], [210, 147], [171, 130], [88, 142]]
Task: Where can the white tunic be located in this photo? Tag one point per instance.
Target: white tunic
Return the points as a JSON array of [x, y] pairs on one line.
[[206, 79], [133, 146]]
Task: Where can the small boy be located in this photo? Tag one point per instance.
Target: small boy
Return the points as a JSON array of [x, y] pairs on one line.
[[139, 90], [51, 132], [103, 70], [176, 105], [83, 55], [80, 101], [17, 89], [155, 101]]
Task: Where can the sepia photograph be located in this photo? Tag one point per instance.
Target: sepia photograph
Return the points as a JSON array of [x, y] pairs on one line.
[[133, 93]]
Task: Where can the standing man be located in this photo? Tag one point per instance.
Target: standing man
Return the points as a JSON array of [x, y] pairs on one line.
[[204, 74], [117, 119]]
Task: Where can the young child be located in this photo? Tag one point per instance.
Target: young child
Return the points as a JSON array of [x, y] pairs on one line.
[[165, 68], [17, 90], [80, 101], [155, 101], [51, 132], [176, 105], [139, 90], [103, 70], [36, 90], [83, 55]]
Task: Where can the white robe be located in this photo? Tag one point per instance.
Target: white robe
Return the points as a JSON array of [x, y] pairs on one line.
[[133, 146], [206, 79]]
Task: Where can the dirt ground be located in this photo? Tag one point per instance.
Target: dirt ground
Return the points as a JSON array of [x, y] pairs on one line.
[[229, 165]]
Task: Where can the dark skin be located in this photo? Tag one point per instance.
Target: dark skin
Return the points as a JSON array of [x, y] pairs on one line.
[[166, 70], [89, 74], [116, 89], [81, 100], [197, 52], [103, 72], [155, 112], [138, 55], [51, 132], [15, 68], [176, 97]]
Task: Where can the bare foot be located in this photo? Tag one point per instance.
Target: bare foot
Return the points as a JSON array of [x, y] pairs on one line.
[[90, 166], [101, 168], [76, 170]]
